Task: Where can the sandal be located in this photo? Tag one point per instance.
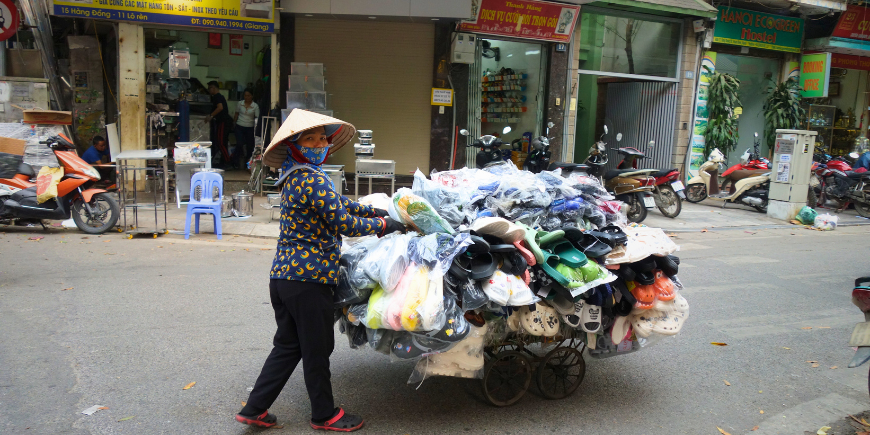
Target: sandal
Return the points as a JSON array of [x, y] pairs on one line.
[[664, 287], [530, 258], [568, 254], [263, 420], [483, 266], [532, 244], [341, 422]]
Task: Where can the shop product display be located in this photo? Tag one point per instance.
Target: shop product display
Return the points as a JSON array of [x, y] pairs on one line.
[[501, 264]]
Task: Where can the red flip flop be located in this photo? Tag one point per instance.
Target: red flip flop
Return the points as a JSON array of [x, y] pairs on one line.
[[341, 422]]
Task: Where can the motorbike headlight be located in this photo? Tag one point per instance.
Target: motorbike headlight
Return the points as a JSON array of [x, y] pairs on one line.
[[93, 173]]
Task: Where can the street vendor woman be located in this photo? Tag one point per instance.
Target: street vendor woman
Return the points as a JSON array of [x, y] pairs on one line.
[[304, 272]]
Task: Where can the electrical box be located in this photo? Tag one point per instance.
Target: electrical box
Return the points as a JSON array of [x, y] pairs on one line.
[[462, 48], [790, 172]]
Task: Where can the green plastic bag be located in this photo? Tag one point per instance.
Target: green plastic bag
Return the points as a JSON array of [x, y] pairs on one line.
[[806, 216]]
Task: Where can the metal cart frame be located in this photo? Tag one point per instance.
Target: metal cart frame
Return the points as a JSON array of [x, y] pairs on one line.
[[369, 168], [128, 189]]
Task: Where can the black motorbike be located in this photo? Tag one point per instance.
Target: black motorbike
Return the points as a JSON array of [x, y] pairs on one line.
[[490, 148]]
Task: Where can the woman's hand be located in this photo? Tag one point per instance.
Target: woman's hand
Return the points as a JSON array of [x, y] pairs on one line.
[[392, 226]]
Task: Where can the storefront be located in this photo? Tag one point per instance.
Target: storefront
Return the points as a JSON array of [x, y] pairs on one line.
[[158, 58], [516, 78], [760, 50], [837, 98]]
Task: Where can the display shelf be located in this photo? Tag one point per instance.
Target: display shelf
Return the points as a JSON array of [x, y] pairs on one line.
[[500, 119], [504, 110], [501, 78], [487, 100], [504, 88]]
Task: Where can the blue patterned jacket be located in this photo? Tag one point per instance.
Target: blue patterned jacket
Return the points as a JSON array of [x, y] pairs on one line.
[[313, 219]]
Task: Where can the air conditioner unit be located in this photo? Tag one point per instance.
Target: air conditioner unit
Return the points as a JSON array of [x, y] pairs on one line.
[[462, 48]]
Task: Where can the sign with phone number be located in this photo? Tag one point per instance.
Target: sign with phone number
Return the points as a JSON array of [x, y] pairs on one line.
[[241, 15]]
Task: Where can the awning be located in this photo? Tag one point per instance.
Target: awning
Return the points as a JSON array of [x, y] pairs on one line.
[[693, 8], [838, 45]]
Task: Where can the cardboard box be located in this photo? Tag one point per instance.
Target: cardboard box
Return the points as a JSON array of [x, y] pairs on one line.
[[47, 117], [12, 146]]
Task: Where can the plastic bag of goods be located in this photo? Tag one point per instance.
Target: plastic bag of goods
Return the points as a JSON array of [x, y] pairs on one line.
[[387, 262], [447, 201], [416, 212], [826, 222]]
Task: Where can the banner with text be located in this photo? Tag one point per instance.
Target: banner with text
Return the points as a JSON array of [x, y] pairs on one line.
[[815, 72], [854, 23], [523, 19], [756, 29], [241, 15], [695, 157]]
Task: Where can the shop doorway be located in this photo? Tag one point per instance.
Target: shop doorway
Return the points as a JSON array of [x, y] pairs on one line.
[[238, 63], [511, 78], [755, 74]]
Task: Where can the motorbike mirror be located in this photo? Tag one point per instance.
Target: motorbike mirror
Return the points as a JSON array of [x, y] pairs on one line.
[[756, 134], [550, 125], [618, 137], [605, 129], [464, 132], [506, 130], [651, 144], [854, 155]]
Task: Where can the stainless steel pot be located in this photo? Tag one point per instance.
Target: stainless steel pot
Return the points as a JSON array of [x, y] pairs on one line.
[[226, 206], [243, 203]]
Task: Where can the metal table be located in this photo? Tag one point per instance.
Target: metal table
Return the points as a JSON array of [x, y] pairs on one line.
[[371, 169], [133, 170]]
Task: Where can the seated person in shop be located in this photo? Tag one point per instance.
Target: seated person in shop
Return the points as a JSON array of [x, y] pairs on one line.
[[220, 120], [97, 154]]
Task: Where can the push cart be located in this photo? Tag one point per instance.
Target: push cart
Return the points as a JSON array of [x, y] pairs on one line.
[[511, 366], [145, 170]]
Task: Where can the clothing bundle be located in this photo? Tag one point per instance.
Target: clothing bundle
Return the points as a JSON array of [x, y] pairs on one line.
[[501, 253]]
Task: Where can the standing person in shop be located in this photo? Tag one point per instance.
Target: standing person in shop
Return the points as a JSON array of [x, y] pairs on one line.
[[247, 114], [305, 269], [220, 120]]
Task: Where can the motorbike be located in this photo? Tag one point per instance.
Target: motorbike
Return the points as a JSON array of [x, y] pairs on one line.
[[833, 180], [94, 211], [490, 148], [539, 154], [668, 187], [748, 187], [632, 186], [861, 332]]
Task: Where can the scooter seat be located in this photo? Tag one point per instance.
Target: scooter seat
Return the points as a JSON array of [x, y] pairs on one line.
[[738, 175], [568, 167], [663, 172], [857, 175], [613, 173]]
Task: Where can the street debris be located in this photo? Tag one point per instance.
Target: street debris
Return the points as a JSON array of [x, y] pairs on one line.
[[716, 343], [188, 386], [727, 383], [823, 430], [68, 288], [807, 327], [37, 238], [93, 409], [722, 431], [127, 418]]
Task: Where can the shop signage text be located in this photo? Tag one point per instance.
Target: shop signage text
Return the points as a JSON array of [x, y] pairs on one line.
[[756, 29], [850, 62], [815, 72], [854, 23], [524, 19], [256, 16], [442, 97]]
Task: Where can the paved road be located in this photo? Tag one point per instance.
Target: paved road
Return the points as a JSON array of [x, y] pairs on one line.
[[142, 318]]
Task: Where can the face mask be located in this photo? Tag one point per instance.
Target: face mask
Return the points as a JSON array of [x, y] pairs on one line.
[[314, 155]]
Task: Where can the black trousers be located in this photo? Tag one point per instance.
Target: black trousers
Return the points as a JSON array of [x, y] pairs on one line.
[[304, 314]]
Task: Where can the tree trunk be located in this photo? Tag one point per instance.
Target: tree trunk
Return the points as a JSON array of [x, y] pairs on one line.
[[629, 28]]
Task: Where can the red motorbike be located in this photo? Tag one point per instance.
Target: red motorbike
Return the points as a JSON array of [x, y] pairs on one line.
[[833, 180], [668, 187], [93, 210]]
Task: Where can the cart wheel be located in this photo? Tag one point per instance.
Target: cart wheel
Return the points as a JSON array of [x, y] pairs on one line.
[[506, 378], [132, 227], [154, 235], [560, 372], [120, 230], [165, 231], [129, 236]]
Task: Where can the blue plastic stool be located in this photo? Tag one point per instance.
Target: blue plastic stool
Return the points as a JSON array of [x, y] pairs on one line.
[[202, 201]]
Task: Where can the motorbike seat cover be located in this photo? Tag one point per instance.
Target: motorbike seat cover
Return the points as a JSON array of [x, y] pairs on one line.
[[26, 169], [858, 175], [631, 152], [613, 173], [663, 172], [746, 173]]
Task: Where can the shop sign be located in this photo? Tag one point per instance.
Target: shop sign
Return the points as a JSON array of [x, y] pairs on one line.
[[239, 15], [815, 72], [848, 61], [528, 19], [8, 19], [759, 30], [854, 23], [442, 97], [696, 157]]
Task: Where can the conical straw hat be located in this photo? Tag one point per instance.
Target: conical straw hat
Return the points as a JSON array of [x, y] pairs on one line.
[[337, 131]]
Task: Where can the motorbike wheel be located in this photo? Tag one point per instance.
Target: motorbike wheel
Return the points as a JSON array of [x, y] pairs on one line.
[[812, 197], [696, 193], [106, 213], [668, 202], [636, 210], [863, 209], [763, 207]]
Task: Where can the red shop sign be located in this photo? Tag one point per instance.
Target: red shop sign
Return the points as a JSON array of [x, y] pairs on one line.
[[850, 62], [524, 19], [854, 23], [8, 19]]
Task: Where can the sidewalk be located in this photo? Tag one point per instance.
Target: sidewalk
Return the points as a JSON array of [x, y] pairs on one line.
[[707, 215]]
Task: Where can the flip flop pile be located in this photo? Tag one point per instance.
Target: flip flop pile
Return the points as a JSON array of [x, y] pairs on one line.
[[567, 265]]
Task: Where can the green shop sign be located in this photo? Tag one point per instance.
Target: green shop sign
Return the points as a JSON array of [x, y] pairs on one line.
[[815, 73], [757, 29]]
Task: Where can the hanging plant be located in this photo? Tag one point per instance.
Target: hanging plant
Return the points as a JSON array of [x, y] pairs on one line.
[[782, 109], [722, 98]]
